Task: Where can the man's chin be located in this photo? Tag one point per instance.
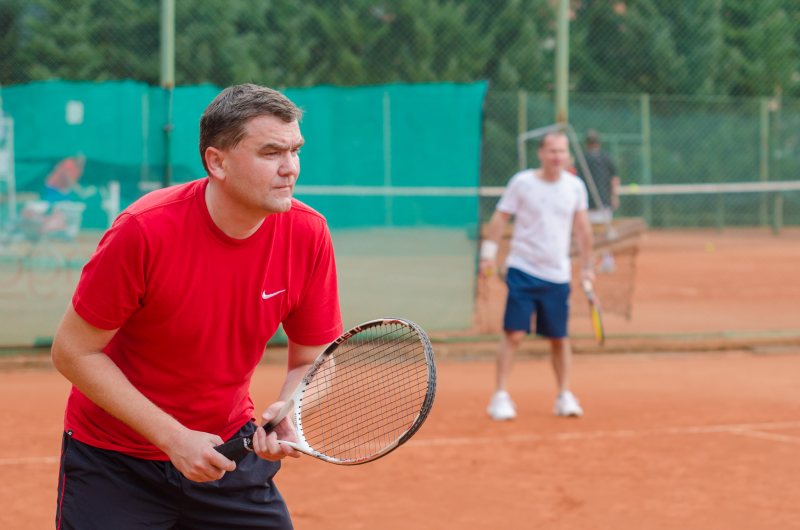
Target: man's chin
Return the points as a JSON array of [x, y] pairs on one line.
[[280, 205]]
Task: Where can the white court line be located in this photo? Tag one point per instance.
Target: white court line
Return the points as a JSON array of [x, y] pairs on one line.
[[746, 429], [769, 436]]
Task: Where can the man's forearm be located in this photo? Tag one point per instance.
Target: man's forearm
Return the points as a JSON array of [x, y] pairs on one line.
[[78, 354], [99, 379], [585, 241], [494, 234]]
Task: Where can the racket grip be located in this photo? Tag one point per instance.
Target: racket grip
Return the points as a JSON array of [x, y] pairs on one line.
[[236, 448]]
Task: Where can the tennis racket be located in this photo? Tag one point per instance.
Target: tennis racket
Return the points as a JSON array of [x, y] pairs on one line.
[[595, 312], [363, 397]]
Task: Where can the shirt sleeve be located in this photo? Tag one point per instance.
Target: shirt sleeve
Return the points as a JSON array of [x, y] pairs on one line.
[[509, 201], [112, 284], [583, 195], [317, 317]]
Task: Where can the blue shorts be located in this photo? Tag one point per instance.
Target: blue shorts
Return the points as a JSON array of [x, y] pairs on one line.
[[102, 489], [528, 295]]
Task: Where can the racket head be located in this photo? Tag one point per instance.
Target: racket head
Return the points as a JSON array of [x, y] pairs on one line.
[[367, 393]]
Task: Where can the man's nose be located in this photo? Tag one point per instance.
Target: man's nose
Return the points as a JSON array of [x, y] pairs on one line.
[[290, 164]]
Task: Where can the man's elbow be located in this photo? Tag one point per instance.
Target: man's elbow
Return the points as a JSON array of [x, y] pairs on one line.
[[74, 340], [59, 355]]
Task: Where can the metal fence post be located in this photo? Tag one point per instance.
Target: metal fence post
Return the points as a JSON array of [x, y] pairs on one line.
[[647, 171], [168, 80]]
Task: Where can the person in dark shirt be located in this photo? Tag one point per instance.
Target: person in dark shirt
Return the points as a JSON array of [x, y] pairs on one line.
[[603, 171], [604, 175]]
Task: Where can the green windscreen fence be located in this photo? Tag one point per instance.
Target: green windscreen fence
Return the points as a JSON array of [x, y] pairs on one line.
[[394, 168]]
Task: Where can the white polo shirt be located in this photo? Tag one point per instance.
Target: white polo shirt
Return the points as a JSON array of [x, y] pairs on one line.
[[544, 212]]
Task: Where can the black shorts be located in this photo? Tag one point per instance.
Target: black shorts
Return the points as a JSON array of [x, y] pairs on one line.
[[101, 489]]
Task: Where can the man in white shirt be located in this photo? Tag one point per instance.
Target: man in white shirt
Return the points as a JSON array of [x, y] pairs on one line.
[[549, 205]]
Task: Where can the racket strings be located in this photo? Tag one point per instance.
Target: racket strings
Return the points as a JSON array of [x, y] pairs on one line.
[[343, 361], [393, 421], [367, 379], [367, 394], [348, 398], [339, 435]]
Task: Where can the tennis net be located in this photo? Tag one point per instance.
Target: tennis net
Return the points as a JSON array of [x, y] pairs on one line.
[[720, 205]]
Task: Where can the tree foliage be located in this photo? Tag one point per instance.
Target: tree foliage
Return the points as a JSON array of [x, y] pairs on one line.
[[726, 47]]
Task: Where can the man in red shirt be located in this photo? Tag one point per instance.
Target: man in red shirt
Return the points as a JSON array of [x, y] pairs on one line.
[[169, 320]]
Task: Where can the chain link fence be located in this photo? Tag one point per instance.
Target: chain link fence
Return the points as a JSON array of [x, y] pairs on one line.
[[708, 144], [681, 92]]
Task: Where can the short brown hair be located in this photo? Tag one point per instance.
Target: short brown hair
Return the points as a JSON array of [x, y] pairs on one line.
[[551, 134], [222, 124], [592, 137]]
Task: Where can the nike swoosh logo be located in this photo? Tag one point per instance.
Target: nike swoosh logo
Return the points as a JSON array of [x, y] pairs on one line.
[[265, 296]]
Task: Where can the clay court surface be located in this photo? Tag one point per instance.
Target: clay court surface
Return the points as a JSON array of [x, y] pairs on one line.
[[692, 417]]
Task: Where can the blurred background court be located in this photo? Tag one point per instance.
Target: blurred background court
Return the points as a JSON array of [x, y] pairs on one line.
[[417, 113]]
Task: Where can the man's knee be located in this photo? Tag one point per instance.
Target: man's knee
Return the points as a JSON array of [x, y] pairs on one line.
[[514, 338], [559, 346]]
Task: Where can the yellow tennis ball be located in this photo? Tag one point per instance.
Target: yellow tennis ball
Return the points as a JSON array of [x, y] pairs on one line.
[[710, 247], [634, 188]]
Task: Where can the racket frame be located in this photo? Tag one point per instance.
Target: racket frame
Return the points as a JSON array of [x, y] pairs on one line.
[[595, 313], [238, 447]]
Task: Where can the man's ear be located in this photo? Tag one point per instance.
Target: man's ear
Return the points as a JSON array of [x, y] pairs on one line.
[[214, 162]]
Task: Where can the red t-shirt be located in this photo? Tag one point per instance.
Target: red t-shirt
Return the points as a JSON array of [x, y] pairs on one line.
[[195, 309]]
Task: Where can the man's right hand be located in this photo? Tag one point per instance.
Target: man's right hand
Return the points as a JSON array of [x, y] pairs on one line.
[[193, 453]]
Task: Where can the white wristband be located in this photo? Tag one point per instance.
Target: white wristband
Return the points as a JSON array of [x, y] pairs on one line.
[[489, 249]]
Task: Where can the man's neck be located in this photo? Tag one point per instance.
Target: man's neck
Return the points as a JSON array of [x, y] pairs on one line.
[[549, 174], [234, 221]]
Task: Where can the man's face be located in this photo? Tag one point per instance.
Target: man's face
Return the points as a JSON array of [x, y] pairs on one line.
[[262, 169], [554, 153]]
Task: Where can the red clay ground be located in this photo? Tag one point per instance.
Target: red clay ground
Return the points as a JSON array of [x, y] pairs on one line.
[[669, 441], [732, 282], [693, 289]]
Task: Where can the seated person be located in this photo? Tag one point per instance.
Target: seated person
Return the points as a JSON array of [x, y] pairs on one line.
[[61, 183]]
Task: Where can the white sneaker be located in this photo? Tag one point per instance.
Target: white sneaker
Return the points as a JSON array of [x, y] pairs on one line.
[[567, 405], [501, 407]]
